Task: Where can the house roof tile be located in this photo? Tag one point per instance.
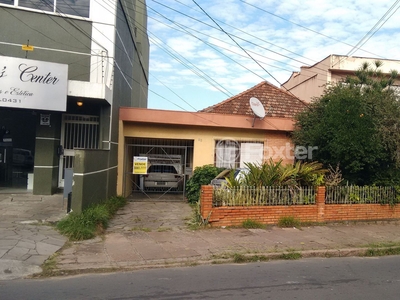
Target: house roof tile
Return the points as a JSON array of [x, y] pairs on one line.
[[277, 102]]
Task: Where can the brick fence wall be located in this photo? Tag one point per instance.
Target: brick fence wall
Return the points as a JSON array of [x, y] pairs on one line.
[[318, 212]]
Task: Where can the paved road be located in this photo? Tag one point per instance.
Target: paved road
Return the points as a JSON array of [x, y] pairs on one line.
[[316, 278]]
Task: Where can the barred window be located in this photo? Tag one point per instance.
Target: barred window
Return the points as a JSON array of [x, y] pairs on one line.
[[234, 154], [70, 7]]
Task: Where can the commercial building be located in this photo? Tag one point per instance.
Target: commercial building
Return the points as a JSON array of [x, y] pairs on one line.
[[66, 67]]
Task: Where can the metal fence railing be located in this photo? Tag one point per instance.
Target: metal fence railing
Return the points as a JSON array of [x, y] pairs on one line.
[[267, 195], [360, 195]]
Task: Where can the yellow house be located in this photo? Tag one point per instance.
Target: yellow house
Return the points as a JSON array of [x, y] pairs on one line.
[[227, 134]]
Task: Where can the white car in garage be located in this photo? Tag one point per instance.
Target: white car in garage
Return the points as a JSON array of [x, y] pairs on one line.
[[162, 176]]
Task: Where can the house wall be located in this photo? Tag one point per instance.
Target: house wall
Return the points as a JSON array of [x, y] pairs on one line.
[[311, 80], [350, 63], [204, 142]]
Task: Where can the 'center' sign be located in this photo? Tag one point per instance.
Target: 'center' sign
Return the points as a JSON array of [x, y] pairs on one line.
[[34, 84]]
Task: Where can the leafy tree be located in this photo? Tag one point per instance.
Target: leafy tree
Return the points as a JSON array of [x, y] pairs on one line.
[[356, 124]]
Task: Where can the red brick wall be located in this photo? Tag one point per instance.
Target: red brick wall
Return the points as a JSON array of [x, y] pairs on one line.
[[320, 212], [277, 145]]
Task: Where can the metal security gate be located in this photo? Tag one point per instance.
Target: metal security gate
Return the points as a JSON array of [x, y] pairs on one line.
[[77, 131], [170, 164]]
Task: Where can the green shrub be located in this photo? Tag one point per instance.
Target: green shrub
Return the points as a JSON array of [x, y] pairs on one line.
[[289, 221], [115, 203], [252, 224], [91, 221], [201, 176], [97, 215], [76, 227]]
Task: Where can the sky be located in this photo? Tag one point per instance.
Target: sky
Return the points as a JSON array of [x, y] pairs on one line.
[[205, 51]]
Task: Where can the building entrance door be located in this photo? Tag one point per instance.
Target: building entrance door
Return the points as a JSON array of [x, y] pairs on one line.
[[78, 131], [17, 146]]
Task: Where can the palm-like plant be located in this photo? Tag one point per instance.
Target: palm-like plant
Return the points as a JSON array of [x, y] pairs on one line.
[[273, 173], [231, 181]]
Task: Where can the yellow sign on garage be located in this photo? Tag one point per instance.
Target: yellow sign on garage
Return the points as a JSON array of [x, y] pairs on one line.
[[139, 165], [27, 48]]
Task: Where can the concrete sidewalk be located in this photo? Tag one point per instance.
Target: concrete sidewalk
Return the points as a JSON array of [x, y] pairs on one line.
[[26, 238], [153, 234]]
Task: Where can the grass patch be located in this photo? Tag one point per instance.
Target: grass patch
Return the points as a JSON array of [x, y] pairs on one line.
[[164, 229], [144, 229], [292, 255], [92, 221], [382, 251], [252, 224], [238, 258], [196, 221], [383, 244], [289, 221], [50, 265]]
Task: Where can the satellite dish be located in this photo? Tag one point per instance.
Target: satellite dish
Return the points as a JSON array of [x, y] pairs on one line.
[[257, 108]]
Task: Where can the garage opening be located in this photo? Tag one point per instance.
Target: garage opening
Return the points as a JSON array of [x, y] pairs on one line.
[[165, 167]]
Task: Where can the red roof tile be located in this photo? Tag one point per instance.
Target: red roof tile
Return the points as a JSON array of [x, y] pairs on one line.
[[277, 102]]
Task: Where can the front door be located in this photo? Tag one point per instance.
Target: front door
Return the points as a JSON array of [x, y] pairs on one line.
[[78, 131]]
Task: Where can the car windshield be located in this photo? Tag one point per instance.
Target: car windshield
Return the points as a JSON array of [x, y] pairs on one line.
[[162, 169], [223, 174]]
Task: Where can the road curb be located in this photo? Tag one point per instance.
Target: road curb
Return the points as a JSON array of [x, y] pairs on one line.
[[223, 259]]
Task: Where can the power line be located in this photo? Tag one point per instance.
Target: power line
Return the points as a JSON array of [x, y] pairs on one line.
[[174, 93], [236, 42], [374, 29], [249, 34], [238, 37], [277, 53], [245, 51], [304, 27], [213, 47]]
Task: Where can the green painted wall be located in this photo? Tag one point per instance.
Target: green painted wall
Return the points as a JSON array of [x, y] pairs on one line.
[[91, 176], [45, 174], [47, 31]]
